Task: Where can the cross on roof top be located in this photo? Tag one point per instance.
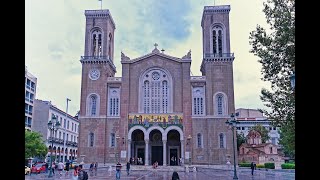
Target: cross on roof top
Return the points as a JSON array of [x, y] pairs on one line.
[[155, 45]]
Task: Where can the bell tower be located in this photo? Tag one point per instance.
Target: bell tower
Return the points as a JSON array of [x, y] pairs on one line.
[[97, 67], [217, 62]]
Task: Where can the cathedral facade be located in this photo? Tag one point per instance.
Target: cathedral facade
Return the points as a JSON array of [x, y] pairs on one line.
[[156, 110]]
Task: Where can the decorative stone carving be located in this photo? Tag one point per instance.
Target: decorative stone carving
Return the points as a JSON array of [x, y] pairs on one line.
[[187, 56], [124, 57]]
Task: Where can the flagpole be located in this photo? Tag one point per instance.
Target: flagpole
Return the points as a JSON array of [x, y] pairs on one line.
[[101, 4]]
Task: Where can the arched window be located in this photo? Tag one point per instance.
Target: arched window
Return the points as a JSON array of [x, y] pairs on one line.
[[96, 43], [270, 150], [93, 105], [199, 140], [91, 139], [114, 102], [198, 101], [156, 96], [217, 40], [220, 104], [221, 140]]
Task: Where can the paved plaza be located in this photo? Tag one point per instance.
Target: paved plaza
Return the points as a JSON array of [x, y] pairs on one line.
[[201, 174]]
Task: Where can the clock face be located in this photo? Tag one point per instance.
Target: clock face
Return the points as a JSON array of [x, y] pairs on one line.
[[94, 74], [155, 75]]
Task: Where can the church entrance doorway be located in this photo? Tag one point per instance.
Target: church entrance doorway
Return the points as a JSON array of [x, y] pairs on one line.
[[156, 147], [174, 157], [157, 155], [137, 147], [174, 146]]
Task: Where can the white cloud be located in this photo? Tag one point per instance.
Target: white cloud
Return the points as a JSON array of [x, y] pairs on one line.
[[55, 41]]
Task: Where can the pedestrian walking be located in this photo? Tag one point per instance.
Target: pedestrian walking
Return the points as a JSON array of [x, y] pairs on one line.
[[252, 168], [60, 168], [128, 168], [91, 167], [118, 169], [75, 174], [110, 170], [96, 166], [67, 168], [46, 165], [53, 166], [175, 176]]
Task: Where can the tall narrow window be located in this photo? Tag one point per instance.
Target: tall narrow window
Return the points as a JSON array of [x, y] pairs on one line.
[[199, 140], [198, 101], [156, 92], [96, 43], [221, 140], [114, 102], [270, 150], [217, 41], [112, 140], [91, 139], [93, 105], [220, 104], [214, 42]]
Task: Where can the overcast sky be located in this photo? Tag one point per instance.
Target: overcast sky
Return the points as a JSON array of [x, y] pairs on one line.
[[54, 32]]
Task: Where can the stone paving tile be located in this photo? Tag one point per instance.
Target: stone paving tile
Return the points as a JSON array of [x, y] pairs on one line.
[[213, 174]]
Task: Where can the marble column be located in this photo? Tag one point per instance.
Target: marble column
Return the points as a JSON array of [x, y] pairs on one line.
[[129, 149], [182, 151], [164, 152], [146, 159]]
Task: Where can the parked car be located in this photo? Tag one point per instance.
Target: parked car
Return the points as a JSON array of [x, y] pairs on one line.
[[38, 168], [27, 170]]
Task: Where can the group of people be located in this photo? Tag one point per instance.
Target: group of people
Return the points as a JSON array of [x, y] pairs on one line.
[[136, 161], [175, 161]]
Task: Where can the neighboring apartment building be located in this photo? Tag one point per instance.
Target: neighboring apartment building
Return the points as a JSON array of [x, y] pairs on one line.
[[250, 117], [69, 129], [30, 94]]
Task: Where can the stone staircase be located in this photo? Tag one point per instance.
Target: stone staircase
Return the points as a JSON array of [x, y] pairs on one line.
[[159, 168]]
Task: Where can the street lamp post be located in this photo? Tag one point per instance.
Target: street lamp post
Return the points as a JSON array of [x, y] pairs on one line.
[[232, 122], [53, 126], [118, 145], [64, 138]]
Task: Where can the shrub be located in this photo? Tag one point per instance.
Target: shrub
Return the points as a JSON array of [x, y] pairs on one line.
[[269, 165], [288, 166], [260, 166], [244, 164]]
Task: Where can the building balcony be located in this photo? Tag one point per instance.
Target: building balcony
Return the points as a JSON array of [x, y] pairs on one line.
[[55, 140]]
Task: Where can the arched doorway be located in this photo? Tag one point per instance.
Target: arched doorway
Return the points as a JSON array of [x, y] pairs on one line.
[[156, 147], [174, 147], [138, 146]]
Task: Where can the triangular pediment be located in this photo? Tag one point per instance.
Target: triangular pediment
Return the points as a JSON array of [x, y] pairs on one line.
[[155, 52]]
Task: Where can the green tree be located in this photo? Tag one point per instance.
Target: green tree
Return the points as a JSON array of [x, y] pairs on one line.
[[240, 139], [263, 132], [34, 145], [276, 52]]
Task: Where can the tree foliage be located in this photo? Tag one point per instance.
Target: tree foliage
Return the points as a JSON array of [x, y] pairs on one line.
[[240, 139], [263, 132], [276, 51], [34, 145]]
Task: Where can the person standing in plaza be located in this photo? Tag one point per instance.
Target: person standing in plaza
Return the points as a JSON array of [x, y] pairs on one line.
[[67, 168], [252, 168], [118, 169], [60, 168], [128, 168], [75, 173], [175, 176]]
